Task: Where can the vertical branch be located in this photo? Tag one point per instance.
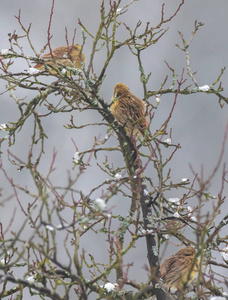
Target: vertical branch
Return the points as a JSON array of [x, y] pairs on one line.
[[142, 75], [95, 39], [139, 187], [49, 27]]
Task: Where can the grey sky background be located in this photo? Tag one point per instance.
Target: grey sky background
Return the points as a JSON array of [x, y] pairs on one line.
[[198, 122]]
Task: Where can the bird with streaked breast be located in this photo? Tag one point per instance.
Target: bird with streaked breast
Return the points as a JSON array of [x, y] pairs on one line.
[[129, 111], [180, 269], [70, 56]]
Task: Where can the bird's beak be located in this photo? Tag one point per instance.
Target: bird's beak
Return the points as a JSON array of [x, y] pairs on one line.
[[113, 99]]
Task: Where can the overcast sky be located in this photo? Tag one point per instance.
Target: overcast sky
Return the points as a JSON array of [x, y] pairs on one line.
[[198, 122]]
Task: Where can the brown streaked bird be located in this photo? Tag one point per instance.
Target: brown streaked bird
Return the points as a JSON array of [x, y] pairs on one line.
[[70, 56], [178, 269], [129, 111]]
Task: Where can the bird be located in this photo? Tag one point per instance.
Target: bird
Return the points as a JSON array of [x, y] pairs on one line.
[[178, 270], [129, 111], [70, 56]]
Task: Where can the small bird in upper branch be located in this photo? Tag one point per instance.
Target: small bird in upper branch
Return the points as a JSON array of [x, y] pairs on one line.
[[178, 270], [129, 111], [70, 56]]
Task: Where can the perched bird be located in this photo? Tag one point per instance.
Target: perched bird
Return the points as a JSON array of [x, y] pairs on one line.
[[71, 56], [178, 269], [129, 111]]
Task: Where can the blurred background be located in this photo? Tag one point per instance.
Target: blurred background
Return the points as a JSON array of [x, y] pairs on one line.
[[198, 121]]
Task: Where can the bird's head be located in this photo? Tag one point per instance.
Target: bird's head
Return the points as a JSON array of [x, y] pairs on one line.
[[119, 90], [187, 251]]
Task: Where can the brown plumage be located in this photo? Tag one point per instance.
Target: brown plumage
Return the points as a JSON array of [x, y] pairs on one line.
[[67, 56], [129, 111], [175, 270]]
